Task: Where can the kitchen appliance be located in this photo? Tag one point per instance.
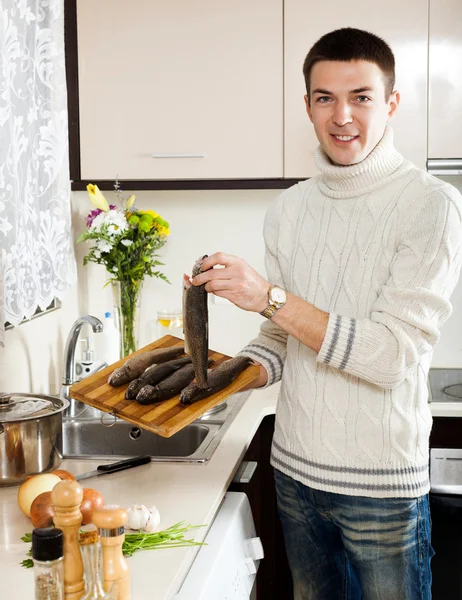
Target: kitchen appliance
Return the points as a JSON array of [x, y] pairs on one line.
[[227, 565], [30, 435], [445, 385], [446, 514]]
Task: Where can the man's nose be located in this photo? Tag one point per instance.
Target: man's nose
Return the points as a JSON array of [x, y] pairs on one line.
[[342, 114]]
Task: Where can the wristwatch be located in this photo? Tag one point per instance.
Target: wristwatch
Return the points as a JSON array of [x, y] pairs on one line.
[[277, 297]]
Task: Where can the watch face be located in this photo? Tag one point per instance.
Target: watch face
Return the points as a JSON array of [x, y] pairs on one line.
[[278, 295]]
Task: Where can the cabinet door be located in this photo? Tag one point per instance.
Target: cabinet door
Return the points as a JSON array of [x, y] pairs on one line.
[[174, 89], [403, 25], [445, 72]]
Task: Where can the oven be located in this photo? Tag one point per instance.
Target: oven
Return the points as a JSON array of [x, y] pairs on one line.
[[446, 515]]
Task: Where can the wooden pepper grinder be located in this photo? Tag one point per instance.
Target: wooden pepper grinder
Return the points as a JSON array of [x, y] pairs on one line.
[[67, 496], [110, 521]]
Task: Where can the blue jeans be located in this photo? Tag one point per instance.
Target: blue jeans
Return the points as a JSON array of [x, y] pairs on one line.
[[351, 547]]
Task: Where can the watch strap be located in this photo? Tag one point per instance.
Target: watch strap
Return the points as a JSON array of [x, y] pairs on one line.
[[270, 311]]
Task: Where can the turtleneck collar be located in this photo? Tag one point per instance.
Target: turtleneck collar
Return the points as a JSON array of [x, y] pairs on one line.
[[378, 168]]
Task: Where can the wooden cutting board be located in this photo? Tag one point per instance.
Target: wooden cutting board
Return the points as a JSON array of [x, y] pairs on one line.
[[164, 418]]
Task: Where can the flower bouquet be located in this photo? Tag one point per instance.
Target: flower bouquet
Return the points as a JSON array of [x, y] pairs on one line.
[[125, 242]]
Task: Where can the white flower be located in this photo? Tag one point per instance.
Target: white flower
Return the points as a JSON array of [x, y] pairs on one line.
[[114, 220], [97, 254], [103, 246], [126, 242]]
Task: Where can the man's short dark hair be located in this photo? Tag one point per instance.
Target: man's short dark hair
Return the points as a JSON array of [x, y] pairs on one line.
[[348, 44]]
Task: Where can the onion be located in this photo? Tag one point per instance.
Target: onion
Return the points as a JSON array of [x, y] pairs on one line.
[[42, 510], [62, 474], [32, 487], [91, 501]]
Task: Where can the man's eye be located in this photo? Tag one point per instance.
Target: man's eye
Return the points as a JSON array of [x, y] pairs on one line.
[[323, 99], [363, 98]]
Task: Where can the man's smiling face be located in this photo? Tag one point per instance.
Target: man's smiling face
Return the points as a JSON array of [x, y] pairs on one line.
[[348, 109]]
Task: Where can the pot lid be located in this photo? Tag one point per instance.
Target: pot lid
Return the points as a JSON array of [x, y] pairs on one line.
[[18, 407]]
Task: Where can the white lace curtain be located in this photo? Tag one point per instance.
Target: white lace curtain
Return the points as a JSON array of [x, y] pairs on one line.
[[35, 217]]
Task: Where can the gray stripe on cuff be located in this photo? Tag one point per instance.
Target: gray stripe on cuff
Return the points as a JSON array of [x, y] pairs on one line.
[[270, 352], [334, 340], [351, 485], [349, 347]]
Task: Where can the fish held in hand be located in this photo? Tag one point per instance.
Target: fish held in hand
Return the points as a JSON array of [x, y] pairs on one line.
[[154, 374], [168, 387], [218, 379], [136, 365], [196, 324]]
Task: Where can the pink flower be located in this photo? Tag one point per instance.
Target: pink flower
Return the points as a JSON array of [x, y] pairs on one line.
[[94, 213]]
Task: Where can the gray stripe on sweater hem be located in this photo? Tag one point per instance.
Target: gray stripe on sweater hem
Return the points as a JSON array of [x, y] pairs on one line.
[[351, 339], [334, 340], [356, 470], [271, 352], [270, 364], [353, 485]]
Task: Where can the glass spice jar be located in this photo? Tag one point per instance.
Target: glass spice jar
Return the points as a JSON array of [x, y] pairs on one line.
[[90, 546], [47, 554]]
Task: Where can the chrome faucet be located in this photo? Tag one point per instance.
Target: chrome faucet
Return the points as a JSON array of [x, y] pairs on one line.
[[75, 408]]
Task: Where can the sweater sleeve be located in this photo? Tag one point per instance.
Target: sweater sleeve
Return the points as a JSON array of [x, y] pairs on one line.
[[269, 348], [405, 319]]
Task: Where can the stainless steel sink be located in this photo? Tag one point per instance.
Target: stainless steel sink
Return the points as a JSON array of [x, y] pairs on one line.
[[100, 438]]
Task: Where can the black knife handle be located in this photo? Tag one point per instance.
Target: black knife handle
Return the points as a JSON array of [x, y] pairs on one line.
[[124, 464]]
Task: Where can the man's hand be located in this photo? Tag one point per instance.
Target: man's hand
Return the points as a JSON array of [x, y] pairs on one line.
[[236, 282]]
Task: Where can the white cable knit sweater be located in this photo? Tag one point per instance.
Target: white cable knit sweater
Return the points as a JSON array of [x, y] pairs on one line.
[[378, 246]]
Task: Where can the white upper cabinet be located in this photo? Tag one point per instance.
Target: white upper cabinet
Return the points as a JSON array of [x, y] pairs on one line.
[[404, 26], [175, 89], [445, 84]]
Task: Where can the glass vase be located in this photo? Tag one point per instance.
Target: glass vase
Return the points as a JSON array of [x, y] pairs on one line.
[[127, 302]]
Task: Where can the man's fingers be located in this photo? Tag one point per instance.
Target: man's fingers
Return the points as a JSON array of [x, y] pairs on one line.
[[211, 275], [217, 285], [219, 258]]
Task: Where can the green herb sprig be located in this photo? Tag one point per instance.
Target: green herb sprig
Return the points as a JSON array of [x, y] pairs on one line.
[[172, 537]]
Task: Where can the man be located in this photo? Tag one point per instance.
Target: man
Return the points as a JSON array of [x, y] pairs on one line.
[[364, 258]]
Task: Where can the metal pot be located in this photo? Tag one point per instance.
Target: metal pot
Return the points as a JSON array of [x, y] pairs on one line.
[[30, 435]]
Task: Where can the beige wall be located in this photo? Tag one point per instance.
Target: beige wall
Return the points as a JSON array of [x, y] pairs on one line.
[[202, 222]]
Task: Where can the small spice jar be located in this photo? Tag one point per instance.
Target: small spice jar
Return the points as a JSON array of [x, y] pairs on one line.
[[47, 553], [90, 546]]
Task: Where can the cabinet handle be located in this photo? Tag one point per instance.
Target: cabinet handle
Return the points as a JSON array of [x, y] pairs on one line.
[[444, 166], [179, 155], [245, 472]]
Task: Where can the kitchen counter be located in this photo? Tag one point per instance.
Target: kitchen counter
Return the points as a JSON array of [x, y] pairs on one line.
[[181, 492]]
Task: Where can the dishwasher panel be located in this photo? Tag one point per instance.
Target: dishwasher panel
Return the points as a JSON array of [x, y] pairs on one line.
[[226, 567]]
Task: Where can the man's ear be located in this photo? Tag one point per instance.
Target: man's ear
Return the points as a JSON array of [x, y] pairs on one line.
[[308, 107], [393, 103]]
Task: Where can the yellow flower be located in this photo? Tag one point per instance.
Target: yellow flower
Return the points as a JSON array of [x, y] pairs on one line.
[[131, 201], [97, 198], [163, 231], [149, 212]]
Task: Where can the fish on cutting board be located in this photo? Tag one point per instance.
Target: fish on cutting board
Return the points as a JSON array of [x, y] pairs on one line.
[[136, 365], [218, 379], [154, 374], [168, 387], [196, 324]]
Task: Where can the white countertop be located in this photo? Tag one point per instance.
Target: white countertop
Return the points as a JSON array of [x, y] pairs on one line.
[[181, 492]]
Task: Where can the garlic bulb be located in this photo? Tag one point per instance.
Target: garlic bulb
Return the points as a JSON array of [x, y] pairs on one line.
[[138, 516], [141, 517], [153, 520]]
